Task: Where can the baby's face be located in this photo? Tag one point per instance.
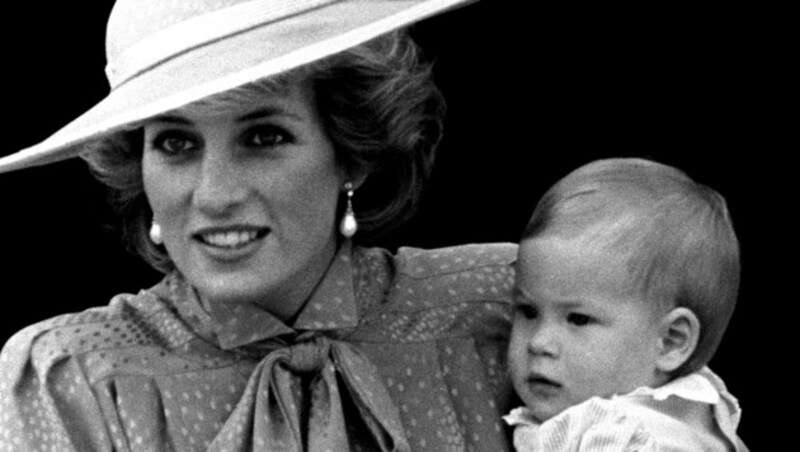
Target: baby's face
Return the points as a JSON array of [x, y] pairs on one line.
[[578, 331]]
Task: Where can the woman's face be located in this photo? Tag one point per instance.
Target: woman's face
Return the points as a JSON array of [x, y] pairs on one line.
[[246, 198]]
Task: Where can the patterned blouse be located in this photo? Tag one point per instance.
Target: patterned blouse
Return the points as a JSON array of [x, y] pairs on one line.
[[391, 352]]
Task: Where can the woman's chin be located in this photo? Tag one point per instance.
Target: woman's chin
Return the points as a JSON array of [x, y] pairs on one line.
[[231, 289], [220, 275], [266, 274]]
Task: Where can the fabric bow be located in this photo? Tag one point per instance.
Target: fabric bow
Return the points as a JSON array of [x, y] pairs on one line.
[[316, 395]]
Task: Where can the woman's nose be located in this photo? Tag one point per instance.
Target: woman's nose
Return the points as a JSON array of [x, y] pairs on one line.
[[221, 184]]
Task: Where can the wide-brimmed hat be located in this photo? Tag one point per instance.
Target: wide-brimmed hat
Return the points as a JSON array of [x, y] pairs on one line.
[[163, 54]]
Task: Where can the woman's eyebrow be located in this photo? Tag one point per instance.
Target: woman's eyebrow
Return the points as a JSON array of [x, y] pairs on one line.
[[260, 113], [171, 119], [267, 112]]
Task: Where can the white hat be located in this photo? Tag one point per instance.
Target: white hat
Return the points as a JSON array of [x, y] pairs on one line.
[[163, 54]]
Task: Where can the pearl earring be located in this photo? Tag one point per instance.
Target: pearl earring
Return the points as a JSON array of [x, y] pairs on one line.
[[349, 225], [155, 233]]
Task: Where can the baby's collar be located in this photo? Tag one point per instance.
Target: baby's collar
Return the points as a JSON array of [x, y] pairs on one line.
[[697, 387], [702, 386], [521, 416]]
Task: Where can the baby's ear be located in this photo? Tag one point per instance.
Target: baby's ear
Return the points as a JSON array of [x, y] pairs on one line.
[[680, 331]]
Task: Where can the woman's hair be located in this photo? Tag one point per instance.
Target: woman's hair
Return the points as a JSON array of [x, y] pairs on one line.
[[675, 237], [379, 107]]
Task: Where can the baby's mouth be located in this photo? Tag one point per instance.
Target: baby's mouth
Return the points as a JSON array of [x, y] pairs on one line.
[[543, 382]]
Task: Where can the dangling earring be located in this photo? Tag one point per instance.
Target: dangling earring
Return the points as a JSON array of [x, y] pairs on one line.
[[349, 225], [155, 233]]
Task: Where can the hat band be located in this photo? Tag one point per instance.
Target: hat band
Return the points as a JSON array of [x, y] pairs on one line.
[[201, 30]]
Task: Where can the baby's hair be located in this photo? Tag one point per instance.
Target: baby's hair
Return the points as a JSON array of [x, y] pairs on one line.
[[675, 235]]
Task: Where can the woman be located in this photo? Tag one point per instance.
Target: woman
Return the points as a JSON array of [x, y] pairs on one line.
[[248, 173]]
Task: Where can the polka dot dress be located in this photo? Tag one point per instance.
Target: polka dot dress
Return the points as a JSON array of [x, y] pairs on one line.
[[391, 352]]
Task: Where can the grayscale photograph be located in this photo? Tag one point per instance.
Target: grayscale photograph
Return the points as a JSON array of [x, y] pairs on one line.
[[388, 225]]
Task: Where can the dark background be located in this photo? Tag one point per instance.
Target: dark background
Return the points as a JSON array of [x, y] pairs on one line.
[[532, 94]]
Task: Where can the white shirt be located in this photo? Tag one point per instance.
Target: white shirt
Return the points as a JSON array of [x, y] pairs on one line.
[[691, 413]]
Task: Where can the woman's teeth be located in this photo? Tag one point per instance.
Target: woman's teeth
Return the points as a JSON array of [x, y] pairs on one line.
[[229, 239]]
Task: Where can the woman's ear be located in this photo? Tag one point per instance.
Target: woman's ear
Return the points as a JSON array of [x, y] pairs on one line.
[[680, 331], [356, 176]]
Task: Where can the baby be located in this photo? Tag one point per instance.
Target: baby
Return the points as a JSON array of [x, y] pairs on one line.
[[627, 276]]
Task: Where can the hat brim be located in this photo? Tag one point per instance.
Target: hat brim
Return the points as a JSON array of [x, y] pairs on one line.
[[225, 64]]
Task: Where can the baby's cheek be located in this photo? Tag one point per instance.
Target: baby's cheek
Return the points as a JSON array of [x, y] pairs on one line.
[[516, 355], [588, 367]]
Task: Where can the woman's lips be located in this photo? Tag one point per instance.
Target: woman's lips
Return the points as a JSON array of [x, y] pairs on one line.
[[230, 237]]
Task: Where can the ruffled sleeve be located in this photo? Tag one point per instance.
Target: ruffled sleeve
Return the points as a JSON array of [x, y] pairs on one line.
[[46, 402]]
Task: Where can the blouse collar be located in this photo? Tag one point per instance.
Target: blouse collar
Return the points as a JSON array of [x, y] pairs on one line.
[[332, 305]]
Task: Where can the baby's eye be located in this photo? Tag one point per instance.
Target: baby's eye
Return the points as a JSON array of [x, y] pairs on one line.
[[579, 319], [267, 136], [527, 311]]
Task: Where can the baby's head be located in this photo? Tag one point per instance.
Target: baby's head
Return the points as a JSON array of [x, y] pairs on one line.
[[627, 276]]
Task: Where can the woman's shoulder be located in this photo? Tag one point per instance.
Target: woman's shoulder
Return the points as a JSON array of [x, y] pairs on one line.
[[455, 275], [122, 322], [430, 263], [435, 293]]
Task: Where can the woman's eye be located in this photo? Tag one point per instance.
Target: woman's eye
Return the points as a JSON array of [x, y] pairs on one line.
[[527, 311], [267, 136], [173, 143], [579, 319]]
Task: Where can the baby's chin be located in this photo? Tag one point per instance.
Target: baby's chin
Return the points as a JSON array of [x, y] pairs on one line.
[[543, 410]]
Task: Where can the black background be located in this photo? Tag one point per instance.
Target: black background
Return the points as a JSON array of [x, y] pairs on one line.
[[533, 92]]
